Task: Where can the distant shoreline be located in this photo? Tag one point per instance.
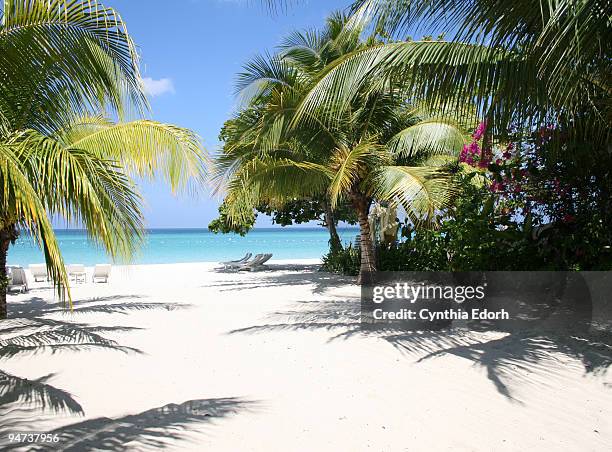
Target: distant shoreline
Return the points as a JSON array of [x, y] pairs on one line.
[[165, 246], [266, 229]]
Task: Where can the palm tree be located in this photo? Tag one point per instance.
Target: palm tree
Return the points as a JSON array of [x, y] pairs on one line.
[[64, 65], [527, 64], [380, 147]]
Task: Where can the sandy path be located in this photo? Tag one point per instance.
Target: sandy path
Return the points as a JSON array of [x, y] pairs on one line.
[[273, 361]]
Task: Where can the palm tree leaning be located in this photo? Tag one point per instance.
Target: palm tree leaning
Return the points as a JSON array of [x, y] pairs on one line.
[[65, 67], [380, 147]]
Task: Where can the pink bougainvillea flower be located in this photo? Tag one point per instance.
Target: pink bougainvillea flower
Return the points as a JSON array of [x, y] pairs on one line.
[[507, 155], [480, 130], [497, 186]]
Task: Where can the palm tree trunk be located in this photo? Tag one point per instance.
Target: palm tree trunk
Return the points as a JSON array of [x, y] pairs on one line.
[[366, 245], [7, 236], [335, 243]]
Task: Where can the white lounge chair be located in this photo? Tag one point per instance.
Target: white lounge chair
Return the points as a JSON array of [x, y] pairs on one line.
[[257, 263], [235, 265], [39, 272], [17, 280], [246, 257], [101, 271], [77, 273]]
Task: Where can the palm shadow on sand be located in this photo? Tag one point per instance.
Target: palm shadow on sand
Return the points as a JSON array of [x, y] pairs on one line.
[[34, 327], [513, 354], [276, 275], [149, 430]]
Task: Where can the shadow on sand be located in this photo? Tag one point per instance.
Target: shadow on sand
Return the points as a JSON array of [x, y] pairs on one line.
[[282, 275], [510, 353], [150, 430], [34, 327]]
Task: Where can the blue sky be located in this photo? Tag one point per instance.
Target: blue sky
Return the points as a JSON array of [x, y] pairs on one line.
[[191, 51]]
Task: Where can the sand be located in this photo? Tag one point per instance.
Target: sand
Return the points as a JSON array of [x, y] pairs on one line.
[[184, 357]]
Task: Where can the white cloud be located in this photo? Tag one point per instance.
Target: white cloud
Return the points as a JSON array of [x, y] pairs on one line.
[[156, 88]]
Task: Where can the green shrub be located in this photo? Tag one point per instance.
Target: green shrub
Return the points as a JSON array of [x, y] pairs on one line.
[[424, 252], [421, 250], [345, 261]]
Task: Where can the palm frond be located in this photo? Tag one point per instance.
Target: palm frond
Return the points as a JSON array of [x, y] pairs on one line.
[[352, 165], [303, 48], [272, 180], [470, 71], [144, 148], [427, 137], [440, 160], [63, 52], [261, 75], [565, 47], [85, 189], [21, 204], [422, 191]]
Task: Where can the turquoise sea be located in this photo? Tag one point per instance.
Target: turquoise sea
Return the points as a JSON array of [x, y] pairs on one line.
[[189, 245]]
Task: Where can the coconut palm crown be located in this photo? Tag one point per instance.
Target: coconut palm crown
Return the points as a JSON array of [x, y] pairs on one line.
[[381, 147]]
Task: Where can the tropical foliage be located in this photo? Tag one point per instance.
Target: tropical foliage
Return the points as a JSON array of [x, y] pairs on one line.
[[65, 67], [526, 208], [297, 211], [538, 74], [383, 146], [526, 62]]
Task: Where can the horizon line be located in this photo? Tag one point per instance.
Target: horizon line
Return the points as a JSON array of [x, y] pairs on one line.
[[206, 229]]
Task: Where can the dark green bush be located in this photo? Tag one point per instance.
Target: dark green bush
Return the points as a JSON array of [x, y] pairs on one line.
[[345, 261], [424, 252]]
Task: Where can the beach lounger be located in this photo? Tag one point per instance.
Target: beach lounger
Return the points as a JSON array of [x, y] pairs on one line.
[[17, 280], [101, 271], [236, 265], [77, 273], [256, 264], [246, 257], [39, 272]]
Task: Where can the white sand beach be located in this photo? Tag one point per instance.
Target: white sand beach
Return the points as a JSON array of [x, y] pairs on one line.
[[184, 357]]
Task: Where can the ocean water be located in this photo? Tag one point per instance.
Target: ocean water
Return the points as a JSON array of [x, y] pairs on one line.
[[188, 245]]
